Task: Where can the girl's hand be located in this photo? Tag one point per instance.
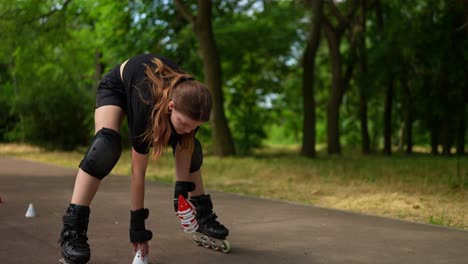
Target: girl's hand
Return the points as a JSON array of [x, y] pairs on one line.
[[142, 246]]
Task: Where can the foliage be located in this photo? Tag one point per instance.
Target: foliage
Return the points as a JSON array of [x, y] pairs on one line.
[[255, 72], [42, 124], [54, 52]]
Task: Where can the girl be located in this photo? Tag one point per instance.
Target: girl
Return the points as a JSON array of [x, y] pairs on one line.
[[164, 106]]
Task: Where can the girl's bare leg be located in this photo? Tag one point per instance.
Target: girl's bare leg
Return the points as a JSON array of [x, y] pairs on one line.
[[73, 238], [182, 167], [86, 186]]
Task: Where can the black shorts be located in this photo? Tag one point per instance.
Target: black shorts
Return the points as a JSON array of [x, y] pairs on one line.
[[110, 90]]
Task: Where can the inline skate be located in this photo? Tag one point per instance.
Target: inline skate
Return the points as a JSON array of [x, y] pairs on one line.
[[73, 238]]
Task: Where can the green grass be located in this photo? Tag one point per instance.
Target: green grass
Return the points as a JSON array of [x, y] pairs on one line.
[[419, 188]]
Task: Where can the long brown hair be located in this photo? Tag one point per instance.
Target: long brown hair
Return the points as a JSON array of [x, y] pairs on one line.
[[190, 97]]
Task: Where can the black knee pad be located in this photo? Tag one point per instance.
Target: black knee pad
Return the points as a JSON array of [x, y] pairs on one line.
[[197, 157], [103, 153], [182, 188]]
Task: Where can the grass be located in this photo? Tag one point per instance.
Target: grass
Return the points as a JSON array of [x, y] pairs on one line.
[[418, 188]]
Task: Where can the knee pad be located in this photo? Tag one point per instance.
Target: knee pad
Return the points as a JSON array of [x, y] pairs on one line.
[[103, 153], [197, 157]]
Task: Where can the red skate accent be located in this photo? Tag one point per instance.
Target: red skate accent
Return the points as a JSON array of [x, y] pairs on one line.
[[186, 215], [183, 204]]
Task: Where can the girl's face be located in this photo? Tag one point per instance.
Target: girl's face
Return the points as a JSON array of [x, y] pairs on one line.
[[181, 123]]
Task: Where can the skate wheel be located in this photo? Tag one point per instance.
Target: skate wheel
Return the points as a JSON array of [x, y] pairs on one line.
[[215, 247], [204, 241], [206, 244], [196, 242], [226, 247], [63, 261]]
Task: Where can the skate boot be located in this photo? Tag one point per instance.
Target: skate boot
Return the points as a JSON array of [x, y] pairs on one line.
[[210, 233], [73, 239]]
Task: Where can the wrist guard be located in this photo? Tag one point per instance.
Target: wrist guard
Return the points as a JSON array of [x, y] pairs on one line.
[[138, 232]]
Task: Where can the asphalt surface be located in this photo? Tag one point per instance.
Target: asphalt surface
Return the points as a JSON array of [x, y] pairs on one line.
[[262, 231]]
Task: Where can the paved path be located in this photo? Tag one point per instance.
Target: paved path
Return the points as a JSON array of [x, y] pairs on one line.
[[262, 231]]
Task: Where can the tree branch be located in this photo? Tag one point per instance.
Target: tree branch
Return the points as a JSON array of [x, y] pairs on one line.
[[186, 13], [343, 21], [354, 8], [327, 23], [50, 13]]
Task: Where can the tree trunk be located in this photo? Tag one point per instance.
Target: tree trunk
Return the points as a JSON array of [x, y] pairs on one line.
[[334, 102], [387, 119], [462, 122], [363, 118], [446, 142], [222, 138], [435, 127], [445, 126], [388, 116], [464, 102], [461, 127], [408, 105], [461, 135], [362, 90], [308, 85], [340, 81], [379, 15]]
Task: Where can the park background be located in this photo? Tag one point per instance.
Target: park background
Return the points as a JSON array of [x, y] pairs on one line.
[[358, 105]]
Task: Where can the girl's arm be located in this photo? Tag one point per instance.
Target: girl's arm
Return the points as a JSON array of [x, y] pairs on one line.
[[139, 235], [137, 185]]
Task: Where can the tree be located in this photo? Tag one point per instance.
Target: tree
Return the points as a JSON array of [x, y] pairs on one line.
[[363, 97], [308, 84], [256, 72], [340, 76], [388, 83], [201, 25], [49, 99]]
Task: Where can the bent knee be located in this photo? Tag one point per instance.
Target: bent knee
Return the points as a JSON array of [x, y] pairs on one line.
[[103, 153]]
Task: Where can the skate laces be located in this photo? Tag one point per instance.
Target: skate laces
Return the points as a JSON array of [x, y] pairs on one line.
[[186, 214]]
